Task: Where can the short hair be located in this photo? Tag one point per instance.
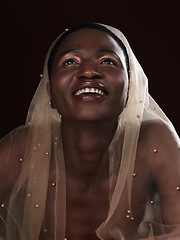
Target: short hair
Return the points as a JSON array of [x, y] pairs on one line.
[[87, 25]]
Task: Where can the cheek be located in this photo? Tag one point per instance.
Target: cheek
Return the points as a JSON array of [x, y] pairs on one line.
[[58, 81], [61, 92], [120, 94], [57, 89], [121, 86], [59, 84], [125, 88]]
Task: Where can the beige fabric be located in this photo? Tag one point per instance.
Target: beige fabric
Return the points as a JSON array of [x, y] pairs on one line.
[[140, 107], [28, 197]]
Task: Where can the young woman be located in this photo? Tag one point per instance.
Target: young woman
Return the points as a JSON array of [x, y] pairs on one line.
[[97, 158]]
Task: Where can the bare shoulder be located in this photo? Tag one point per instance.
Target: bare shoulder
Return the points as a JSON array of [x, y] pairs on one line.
[[162, 147], [162, 141], [158, 128], [12, 148]]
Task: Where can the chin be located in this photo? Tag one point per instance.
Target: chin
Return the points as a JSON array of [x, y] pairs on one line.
[[95, 117], [92, 114]]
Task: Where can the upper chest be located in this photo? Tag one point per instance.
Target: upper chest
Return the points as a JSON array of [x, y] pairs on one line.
[[86, 209], [87, 206]]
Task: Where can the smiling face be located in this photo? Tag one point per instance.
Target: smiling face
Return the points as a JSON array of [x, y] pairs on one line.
[[89, 80]]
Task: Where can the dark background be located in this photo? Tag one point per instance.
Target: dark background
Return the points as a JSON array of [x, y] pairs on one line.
[[29, 27]]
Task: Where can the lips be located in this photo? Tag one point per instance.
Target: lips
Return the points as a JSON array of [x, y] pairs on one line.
[[91, 89]]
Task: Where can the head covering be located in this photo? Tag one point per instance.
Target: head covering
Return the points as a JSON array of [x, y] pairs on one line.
[[26, 208]]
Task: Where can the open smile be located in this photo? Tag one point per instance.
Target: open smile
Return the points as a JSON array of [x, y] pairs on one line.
[[90, 91]]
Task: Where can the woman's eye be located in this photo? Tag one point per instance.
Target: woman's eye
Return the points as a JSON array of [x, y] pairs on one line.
[[69, 62], [108, 61]]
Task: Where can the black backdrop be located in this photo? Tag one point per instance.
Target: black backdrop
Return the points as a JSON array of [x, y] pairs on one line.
[[29, 27]]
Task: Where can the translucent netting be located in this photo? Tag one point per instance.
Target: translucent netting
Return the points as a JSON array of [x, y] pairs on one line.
[[25, 213]]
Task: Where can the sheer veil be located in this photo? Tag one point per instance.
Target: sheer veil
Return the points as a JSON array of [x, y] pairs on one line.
[[27, 201]]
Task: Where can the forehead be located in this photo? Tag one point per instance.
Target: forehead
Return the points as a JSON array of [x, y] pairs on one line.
[[89, 39]]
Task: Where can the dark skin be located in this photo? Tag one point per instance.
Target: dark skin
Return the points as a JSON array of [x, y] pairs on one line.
[[89, 122], [87, 127]]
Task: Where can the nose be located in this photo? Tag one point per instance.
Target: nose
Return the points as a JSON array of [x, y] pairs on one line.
[[89, 70]]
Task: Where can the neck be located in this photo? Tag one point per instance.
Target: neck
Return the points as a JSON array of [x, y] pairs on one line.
[[86, 147]]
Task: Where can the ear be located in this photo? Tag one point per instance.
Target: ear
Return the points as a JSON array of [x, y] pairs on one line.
[[49, 90]]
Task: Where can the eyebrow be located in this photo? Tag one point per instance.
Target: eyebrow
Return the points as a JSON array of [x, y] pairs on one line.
[[98, 51], [68, 51], [107, 51]]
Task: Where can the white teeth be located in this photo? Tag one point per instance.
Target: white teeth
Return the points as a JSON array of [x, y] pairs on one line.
[[86, 90], [92, 90], [89, 90]]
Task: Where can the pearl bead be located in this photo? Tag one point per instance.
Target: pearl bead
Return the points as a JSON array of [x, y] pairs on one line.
[[20, 159], [155, 150], [178, 188], [53, 184], [37, 205], [138, 116], [134, 174]]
